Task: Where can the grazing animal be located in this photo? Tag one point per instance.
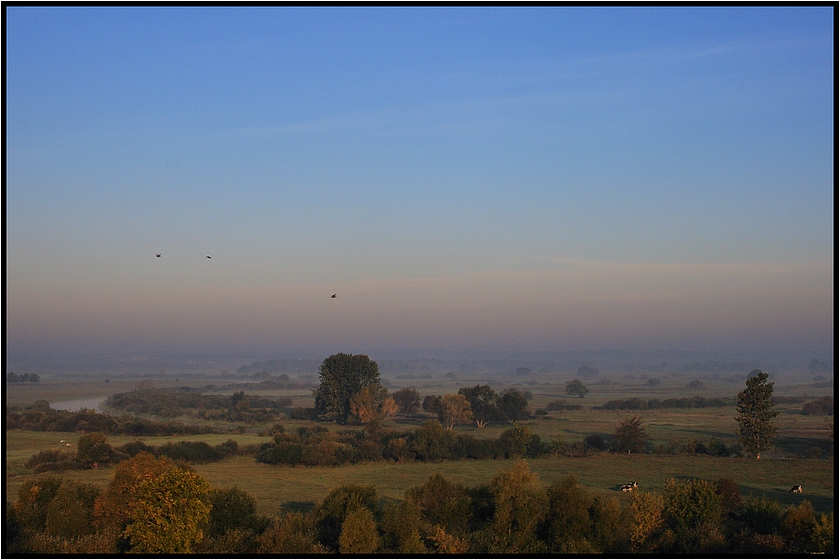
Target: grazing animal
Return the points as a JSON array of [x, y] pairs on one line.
[[333, 296], [629, 487], [796, 489]]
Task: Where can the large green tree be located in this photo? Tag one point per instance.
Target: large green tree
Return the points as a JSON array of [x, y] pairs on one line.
[[342, 377], [755, 414]]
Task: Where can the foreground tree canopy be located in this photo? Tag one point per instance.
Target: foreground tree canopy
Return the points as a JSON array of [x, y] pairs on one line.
[[343, 376]]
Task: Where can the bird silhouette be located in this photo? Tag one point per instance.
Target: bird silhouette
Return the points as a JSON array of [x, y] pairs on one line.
[[157, 254], [333, 296], [209, 257]]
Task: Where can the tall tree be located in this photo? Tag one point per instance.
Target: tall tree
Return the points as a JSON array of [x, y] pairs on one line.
[[514, 406], [482, 401], [342, 377], [630, 436], [456, 410], [408, 399], [755, 414]]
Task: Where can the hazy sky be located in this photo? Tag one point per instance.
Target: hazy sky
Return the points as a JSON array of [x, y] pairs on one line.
[[544, 178]]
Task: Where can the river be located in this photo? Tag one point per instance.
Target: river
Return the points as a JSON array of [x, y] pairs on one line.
[[91, 403]]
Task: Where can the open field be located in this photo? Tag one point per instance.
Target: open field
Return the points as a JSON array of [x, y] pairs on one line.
[[300, 487]]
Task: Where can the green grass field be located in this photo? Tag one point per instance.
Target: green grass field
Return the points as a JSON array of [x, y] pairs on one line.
[[300, 487]]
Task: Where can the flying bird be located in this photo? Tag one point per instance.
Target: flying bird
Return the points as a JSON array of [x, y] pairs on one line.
[[333, 296], [157, 254], [209, 257]]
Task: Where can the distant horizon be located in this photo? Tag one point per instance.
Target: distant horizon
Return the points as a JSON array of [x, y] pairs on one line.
[[216, 360], [489, 179]]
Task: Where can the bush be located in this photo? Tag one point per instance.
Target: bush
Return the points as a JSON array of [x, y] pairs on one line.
[[431, 441], [281, 452], [93, 449], [52, 460], [717, 448], [822, 406], [596, 442], [560, 405], [514, 442], [132, 448], [190, 451]]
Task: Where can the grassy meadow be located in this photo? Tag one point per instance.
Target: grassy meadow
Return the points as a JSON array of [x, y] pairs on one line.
[[276, 487]]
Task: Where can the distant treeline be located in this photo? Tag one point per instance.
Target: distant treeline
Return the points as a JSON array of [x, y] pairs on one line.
[[637, 403], [41, 418], [281, 366], [12, 377], [282, 381], [171, 403]]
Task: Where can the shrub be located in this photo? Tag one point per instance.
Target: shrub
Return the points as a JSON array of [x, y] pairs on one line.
[[822, 406], [93, 449], [431, 441], [596, 442], [52, 460], [281, 452], [191, 451], [132, 448], [514, 441]]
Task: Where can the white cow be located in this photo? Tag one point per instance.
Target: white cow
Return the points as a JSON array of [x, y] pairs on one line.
[[796, 489], [629, 487]]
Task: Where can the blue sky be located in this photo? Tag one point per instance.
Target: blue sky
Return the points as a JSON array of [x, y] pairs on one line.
[[551, 178]]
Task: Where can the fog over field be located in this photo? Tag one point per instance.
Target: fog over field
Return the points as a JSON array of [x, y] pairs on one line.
[[187, 188]]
